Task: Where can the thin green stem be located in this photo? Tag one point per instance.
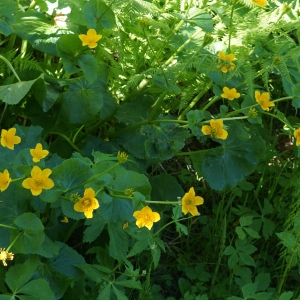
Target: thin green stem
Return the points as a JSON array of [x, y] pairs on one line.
[[11, 67], [71, 230], [12, 243], [194, 101], [157, 105], [11, 41], [17, 179], [163, 202], [174, 221], [76, 134], [9, 227], [213, 100], [154, 53], [274, 116], [67, 139], [192, 152]]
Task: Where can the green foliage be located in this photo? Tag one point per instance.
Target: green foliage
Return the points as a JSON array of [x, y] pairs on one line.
[[94, 222]]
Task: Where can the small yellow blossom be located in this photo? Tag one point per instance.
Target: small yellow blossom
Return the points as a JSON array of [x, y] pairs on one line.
[[39, 180], [215, 129], [125, 225], [189, 202], [90, 39], [9, 138], [38, 153], [87, 203], [65, 220], [4, 255], [260, 2], [264, 100], [230, 94], [146, 217], [225, 62], [4, 180], [297, 136]]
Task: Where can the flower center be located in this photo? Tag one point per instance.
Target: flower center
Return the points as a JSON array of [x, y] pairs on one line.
[[3, 255], [86, 203], [38, 182], [189, 201]]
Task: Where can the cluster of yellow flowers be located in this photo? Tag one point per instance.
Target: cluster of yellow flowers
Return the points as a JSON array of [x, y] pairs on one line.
[[5, 255]]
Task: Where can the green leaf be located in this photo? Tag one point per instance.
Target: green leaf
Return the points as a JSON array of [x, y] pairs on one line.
[[240, 232], [94, 230], [83, 101], [229, 250], [19, 274], [48, 248], [32, 236], [70, 174], [161, 187], [14, 93], [246, 220], [249, 289], [37, 288], [155, 252], [130, 284], [120, 294], [252, 232], [93, 272], [98, 15], [286, 296], [118, 243], [201, 19], [38, 29], [69, 48], [194, 118], [233, 260], [239, 155], [161, 82], [263, 281], [7, 10], [105, 293], [246, 259]]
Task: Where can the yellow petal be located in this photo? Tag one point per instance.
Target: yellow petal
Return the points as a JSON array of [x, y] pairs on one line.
[[78, 207], [193, 210], [156, 216], [48, 184], [88, 214], [223, 135], [206, 130], [198, 200]]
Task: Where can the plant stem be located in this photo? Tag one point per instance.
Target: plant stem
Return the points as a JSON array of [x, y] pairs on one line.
[[67, 139], [157, 105], [77, 132], [11, 67], [192, 152], [174, 221], [12, 243], [9, 227], [213, 100]]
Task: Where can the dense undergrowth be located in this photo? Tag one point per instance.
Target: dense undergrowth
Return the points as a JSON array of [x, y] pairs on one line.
[[149, 149]]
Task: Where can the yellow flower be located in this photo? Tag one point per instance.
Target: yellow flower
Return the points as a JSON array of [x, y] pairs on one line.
[[264, 100], [39, 180], [4, 255], [4, 180], [9, 139], [87, 203], [260, 2], [297, 136], [90, 39], [122, 157], [225, 62], [146, 217], [230, 94], [65, 220], [38, 153], [215, 129], [189, 202]]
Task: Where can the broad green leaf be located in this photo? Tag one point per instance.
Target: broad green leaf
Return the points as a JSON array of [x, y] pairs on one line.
[[19, 274], [118, 243], [14, 93], [38, 29], [8, 8], [249, 289], [252, 232], [48, 248], [268, 228], [104, 293], [263, 281], [155, 252], [37, 288], [70, 49], [240, 232], [94, 272], [246, 259], [120, 294], [229, 250], [246, 220], [161, 188], [194, 118], [32, 235], [233, 260], [94, 230], [225, 166], [201, 19], [83, 101], [70, 174], [286, 296], [98, 15], [130, 284]]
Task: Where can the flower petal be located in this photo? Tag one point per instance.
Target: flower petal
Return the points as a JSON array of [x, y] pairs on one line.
[[206, 130]]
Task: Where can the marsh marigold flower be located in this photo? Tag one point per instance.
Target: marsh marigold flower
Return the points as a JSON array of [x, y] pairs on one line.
[[39, 180], [87, 203], [4, 180], [264, 100], [146, 217], [230, 94], [9, 138], [225, 62], [260, 2], [215, 129], [297, 136], [90, 39], [4, 255], [38, 153], [189, 202]]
